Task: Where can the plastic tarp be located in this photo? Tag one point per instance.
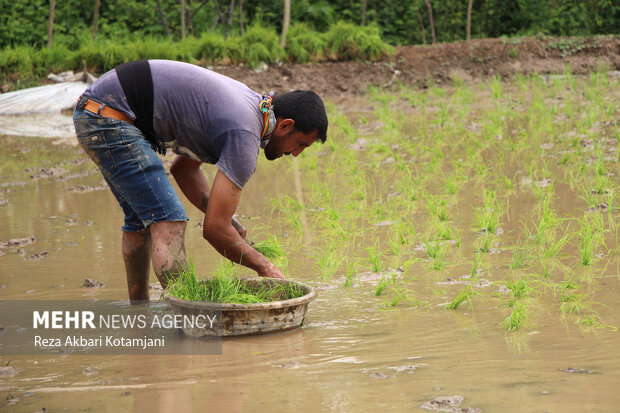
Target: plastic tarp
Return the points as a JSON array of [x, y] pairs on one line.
[[37, 111]]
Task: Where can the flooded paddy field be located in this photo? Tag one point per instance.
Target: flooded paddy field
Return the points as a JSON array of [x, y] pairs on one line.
[[463, 241]]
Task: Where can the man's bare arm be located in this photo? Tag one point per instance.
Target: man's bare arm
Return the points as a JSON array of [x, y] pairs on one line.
[[220, 233], [191, 180]]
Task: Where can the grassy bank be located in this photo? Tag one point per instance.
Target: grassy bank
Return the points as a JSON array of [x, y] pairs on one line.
[[343, 41]]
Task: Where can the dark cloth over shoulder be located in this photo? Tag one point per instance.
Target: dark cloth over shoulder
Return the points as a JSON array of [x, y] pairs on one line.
[[137, 83]]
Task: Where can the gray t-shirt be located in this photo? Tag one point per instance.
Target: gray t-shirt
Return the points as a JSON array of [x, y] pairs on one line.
[[200, 114]]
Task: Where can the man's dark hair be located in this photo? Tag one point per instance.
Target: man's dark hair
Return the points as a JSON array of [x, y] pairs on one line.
[[306, 108]]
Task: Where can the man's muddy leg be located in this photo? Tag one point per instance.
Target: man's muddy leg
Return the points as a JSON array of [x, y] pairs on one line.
[[168, 249], [137, 257]]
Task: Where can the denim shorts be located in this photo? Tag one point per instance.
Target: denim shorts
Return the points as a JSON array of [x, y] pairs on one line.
[[131, 168]]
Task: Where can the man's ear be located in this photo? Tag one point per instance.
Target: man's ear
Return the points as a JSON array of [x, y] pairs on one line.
[[286, 123]]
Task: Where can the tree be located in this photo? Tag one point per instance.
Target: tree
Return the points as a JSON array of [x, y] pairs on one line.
[[241, 15], [50, 30], [231, 12], [430, 21], [468, 29], [364, 5], [422, 27], [287, 21], [96, 19], [183, 19], [162, 16]]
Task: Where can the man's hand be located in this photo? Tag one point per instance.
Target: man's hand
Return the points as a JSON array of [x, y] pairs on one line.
[[240, 228], [271, 271]]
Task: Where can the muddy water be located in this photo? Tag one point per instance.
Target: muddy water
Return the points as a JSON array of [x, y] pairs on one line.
[[351, 355]]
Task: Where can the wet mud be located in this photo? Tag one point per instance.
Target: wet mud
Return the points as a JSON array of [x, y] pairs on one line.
[[448, 404]]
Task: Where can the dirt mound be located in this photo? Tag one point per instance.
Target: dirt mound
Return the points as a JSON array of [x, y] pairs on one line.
[[417, 65]]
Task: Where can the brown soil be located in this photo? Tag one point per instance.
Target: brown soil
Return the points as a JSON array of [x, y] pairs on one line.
[[415, 66]]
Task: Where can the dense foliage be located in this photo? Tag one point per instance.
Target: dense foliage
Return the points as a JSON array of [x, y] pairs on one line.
[[344, 41], [26, 21]]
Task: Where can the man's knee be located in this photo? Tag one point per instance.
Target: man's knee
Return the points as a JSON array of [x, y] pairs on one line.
[[168, 230], [136, 244]]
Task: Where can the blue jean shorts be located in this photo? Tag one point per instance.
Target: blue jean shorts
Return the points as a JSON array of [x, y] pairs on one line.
[[131, 168]]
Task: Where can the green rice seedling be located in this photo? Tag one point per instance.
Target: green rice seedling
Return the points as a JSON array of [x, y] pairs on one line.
[[383, 285], [573, 303], [537, 191], [438, 207], [611, 199], [591, 237], [223, 287], [327, 260], [393, 302], [522, 288], [519, 288], [375, 257], [350, 274], [589, 196], [476, 267], [438, 259], [270, 248], [292, 210], [273, 251], [466, 294], [186, 285], [394, 241], [445, 230], [451, 184], [547, 221], [554, 247], [496, 87], [545, 271], [400, 294], [601, 184], [520, 256], [488, 217], [433, 248], [516, 318], [596, 321], [485, 243], [566, 287]]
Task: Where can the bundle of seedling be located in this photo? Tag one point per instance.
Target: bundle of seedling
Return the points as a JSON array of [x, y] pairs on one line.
[[224, 287]]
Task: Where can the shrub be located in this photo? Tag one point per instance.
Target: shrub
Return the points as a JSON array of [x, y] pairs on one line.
[[260, 44], [152, 48], [346, 41], [104, 56], [212, 47], [303, 45], [16, 60]]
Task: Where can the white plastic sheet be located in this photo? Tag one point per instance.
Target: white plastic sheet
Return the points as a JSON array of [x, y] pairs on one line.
[[43, 99], [37, 111]]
